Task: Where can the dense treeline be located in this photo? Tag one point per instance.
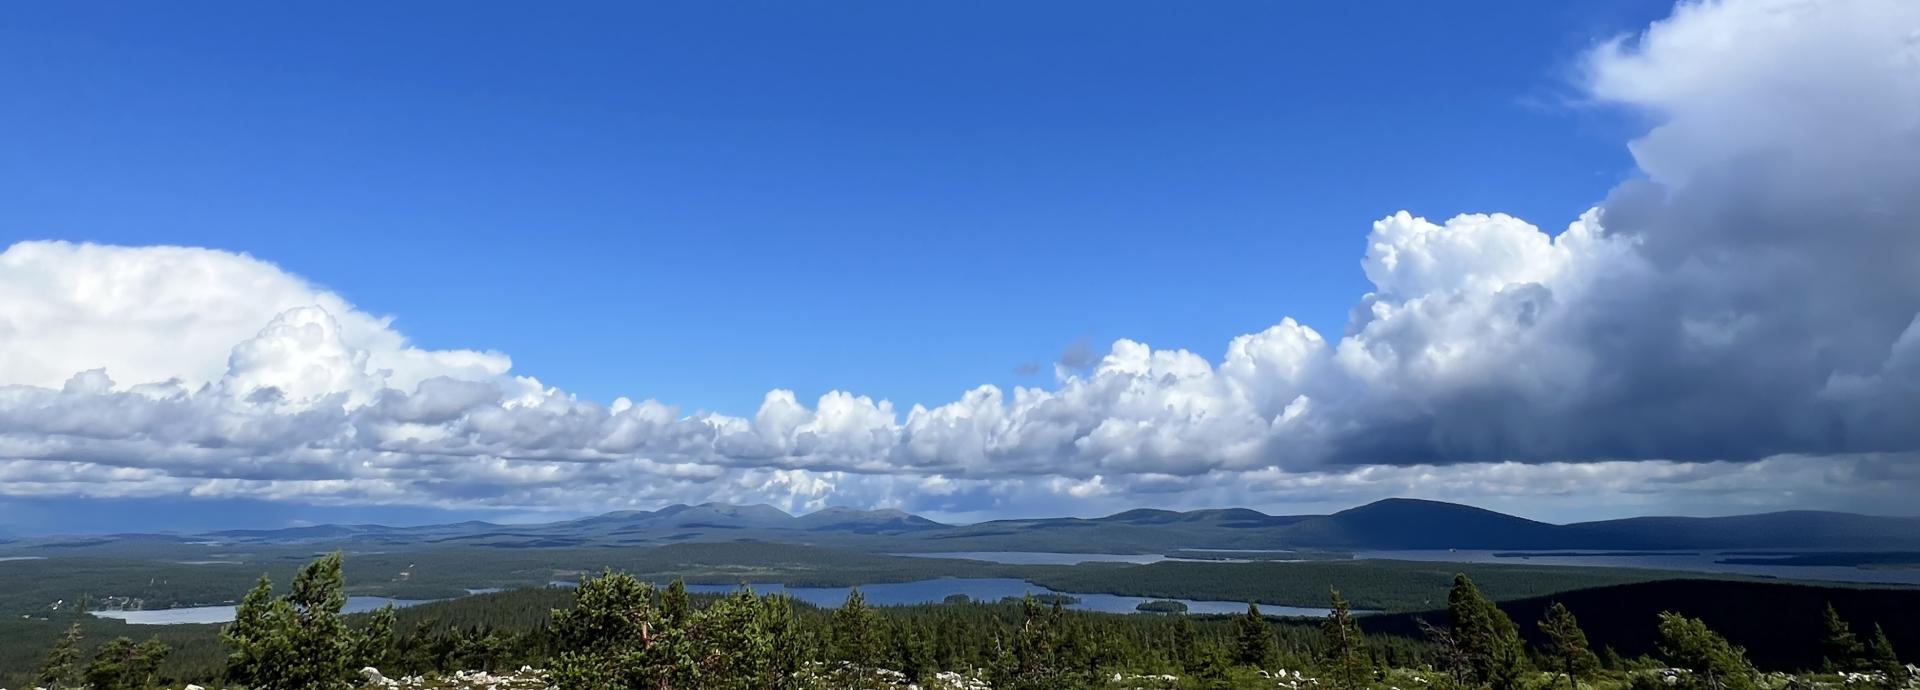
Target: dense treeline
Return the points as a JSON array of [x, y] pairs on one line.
[[182, 578], [152, 579], [26, 643], [618, 631], [136, 574], [1368, 584], [508, 629], [1025, 644], [1780, 625]]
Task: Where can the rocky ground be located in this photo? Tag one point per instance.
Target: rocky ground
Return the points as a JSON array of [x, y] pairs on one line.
[[528, 678], [1274, 679]]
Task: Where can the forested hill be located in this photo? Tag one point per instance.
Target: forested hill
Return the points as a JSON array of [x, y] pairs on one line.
[[1387, 524], [667, 637]]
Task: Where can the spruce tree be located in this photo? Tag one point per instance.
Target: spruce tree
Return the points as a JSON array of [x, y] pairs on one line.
[[1186, 645], [1611, 660], [675, 605], [1489, 642], [1883, 659], [1078, 655], [62, 662], [1345, 664], [1843, 649], [147, 657], [913, 651], [1253, 639], [1567, 644]]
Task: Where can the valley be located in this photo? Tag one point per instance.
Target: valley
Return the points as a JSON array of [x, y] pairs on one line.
[[1384, 558]]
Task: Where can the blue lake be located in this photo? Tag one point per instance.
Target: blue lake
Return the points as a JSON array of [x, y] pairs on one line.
[[994, 589], [224, 614], [882, 594], [1041, 557], [1058, 558], [991, 589]]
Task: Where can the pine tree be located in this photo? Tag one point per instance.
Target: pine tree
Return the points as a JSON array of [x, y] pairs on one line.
[[62, 662], [1489, 641], [296, 641], [1716, 664], [123, 665], [856, 634], [857, 641], [731, 649], [1031, 661], [1843, 649], [1253, 638], [252, 638], [110, 667], [373, 644], [316, 635], [607, 637], [1884, 660], [788, 650], [1345, 664], [1447, 651], [1567, 644]]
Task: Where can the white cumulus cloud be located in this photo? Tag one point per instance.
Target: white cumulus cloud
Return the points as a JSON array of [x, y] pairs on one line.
[[1743, 313]]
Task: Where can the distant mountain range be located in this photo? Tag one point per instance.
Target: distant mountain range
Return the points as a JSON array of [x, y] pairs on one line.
[[1383, 525], [1402, 523]]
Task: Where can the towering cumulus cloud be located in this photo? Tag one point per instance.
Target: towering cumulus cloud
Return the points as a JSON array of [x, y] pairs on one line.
[[1742, 313]]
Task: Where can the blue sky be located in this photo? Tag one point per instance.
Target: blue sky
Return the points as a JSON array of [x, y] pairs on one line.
[[299, 262], [702, 201]]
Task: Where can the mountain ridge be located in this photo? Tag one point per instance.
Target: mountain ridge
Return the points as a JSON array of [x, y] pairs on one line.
[[1388, 524]]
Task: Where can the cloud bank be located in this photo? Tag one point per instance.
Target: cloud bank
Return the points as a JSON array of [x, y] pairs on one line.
[[1742, 313]]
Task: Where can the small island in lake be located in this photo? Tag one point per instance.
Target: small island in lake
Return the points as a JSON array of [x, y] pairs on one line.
[[1161, 606]]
